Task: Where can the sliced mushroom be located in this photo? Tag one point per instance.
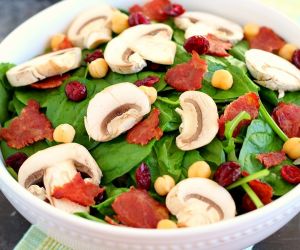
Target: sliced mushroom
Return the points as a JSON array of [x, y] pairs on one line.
[[41, 67], [272, 71], [92, 27], [127, 52], [200, 201], [115, 110], [56, 166], [199, 116], [199, 23]]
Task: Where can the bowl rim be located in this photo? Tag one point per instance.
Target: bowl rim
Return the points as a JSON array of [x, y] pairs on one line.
[[7, 180]]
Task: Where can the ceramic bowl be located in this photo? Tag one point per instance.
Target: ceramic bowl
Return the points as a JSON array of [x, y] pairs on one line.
[[30, 39]]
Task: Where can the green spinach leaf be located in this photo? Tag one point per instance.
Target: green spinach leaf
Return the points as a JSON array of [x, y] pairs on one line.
[[239, 50]]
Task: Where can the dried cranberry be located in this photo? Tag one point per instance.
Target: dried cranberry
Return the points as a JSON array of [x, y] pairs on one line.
[[148, 81], [227, 173], [100, 197], [16, 160], [76, 91], [143, 177], [151, 66], [296, 58], [290, 174], [93, 56], [174, 10], [138, 18], [200, 44]]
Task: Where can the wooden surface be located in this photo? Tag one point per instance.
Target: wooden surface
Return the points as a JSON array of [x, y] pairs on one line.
[[13, 225]]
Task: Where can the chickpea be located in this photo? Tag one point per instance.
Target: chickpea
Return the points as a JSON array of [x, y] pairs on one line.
[[98, 68], [64, 133], [287, 51], [292, 148], [251, 30], [166, 224], [222, 79], [164, 184], [119, 22], [56, 40], [199, 169], [150, 92]]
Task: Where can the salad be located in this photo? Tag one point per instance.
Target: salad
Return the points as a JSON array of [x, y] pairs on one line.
[[154, 117]]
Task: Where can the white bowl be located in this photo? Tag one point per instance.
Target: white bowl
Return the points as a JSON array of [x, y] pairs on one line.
[[29, 40]]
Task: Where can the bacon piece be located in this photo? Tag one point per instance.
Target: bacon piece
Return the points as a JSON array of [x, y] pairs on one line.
[[263, 190], [217, 47], [146, 130], [187, 76], [287, 116], [50, 82], [64, 44], [31, 126], [271, 159], [267, 40], [137, 208], [249, 103], [78, 191]]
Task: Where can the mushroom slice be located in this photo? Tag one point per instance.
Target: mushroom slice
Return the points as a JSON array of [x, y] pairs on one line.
[[56, 166], [199, 116], [115, 110], [200, 23], [41, 67], [272, 71], [200, 201], [126, 53], [92, 27]]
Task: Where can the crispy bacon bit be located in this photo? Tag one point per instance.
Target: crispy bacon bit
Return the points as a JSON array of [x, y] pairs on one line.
[[271, 159], [78, 191], [50, 82], [217, 47], [187, 76], [31, 126], [65, 44], [148, 81], [111, 221], [267, 40], [287, 116], [146, 130], [264, 192], [249, 103], [137, 208]]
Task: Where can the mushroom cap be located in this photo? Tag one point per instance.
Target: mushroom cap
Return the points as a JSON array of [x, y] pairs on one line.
[[127, 52], [201, 197], [92, 27], [199, 116], [33, 169], [41, 67], [115, 110], [200, 23]]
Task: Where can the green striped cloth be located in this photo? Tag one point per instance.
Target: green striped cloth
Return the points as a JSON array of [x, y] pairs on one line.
[[36, 239]]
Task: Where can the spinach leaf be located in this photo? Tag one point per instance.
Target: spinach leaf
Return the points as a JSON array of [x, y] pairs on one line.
[[239, 50], [291, 97], [271, 96], [181, 56], [89, 217], [190, 157], [152, 163]]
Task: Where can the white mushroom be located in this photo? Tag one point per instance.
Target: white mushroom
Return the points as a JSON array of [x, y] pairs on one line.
[[115, 110], [56, 166], [199, 116], [272, 71], [41, 67], [92, 27], [126, 53], [200, 201], [199, 23]]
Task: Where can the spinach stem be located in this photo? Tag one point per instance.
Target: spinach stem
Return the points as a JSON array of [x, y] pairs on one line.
[[12, 173], [248, 178], [265, 114], [86, 71], [231, 125], [168, 101], [252, 195]]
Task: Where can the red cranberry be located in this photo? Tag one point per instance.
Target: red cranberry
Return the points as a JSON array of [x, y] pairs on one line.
[[143, 177], [16, 160], [227, 173], [296, 58], [151, 66], [138, 18], [76, 91], [101, 196], [198, 43], [174, 10], [291, 174], [93, 56], [148, 81]]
